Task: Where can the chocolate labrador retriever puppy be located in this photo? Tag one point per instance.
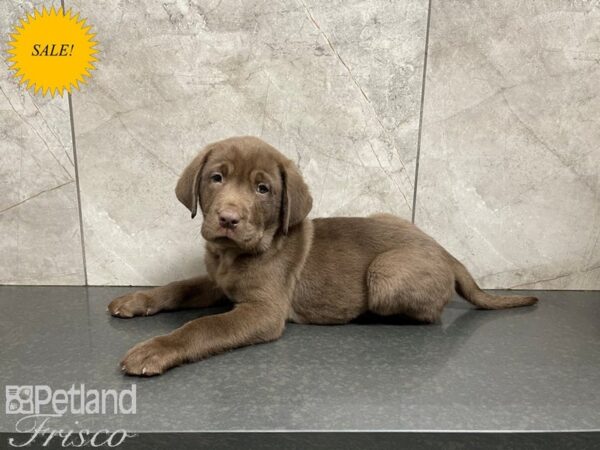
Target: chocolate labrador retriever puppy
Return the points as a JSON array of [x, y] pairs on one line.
[[275, 265]]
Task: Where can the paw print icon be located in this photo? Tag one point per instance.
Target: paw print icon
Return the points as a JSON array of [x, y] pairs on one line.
[[19, 399]]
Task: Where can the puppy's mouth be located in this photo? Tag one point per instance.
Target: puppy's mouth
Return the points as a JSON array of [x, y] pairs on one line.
[[231, 237], [225, 233], [222, 236], [222, 240]]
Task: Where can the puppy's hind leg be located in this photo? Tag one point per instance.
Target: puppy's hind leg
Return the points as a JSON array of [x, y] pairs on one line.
[[413, 282]]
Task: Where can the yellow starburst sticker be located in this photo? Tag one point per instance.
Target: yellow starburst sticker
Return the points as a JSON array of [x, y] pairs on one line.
[[52, 51]]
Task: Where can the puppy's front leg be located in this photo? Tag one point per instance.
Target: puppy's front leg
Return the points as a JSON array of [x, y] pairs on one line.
[[248, 323], [196, 292]]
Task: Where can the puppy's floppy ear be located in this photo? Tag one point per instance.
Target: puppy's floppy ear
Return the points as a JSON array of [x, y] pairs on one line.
[[296, 201], [188, 186]]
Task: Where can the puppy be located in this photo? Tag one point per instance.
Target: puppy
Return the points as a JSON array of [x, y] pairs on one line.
[[275, 265]]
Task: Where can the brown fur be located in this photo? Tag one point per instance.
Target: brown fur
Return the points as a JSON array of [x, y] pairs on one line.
[[276, 265]]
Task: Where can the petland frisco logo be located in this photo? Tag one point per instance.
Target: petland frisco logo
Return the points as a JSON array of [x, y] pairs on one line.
[[40, 405], [43, 399]]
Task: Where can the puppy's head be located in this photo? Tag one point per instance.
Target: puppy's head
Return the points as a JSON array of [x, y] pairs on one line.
[[247, 192]]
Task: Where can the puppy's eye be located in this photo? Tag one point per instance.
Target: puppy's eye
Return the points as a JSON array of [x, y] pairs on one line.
[[262, 188], [216, 177]]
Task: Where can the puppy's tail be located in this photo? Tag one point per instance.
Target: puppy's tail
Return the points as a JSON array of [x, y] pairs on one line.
[[467, 288]]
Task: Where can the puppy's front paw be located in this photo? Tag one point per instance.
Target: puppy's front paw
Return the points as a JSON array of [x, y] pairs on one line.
[[134, 304], [151, 357]]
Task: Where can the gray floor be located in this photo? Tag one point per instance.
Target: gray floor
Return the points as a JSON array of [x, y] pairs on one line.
[[525, 369]]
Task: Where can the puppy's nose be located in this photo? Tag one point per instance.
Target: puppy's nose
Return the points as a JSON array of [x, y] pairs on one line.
[[229, 219]]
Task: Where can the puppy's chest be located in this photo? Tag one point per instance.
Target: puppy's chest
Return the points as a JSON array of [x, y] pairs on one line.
[[228, 271]]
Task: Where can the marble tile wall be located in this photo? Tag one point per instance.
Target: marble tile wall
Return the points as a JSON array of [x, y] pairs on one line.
[[510, 158], [335, 87], [39, 219], [508, 166]]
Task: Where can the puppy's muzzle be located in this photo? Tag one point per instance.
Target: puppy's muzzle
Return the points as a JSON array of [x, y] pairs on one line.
[[229, 219]]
